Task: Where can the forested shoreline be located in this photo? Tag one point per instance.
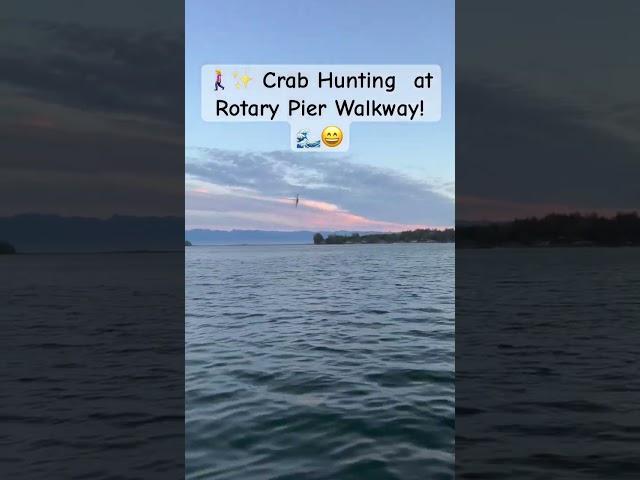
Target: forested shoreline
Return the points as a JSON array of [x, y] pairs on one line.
[[411, 236]]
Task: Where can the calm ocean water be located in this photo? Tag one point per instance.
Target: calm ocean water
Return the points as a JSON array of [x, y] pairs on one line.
[[92, 366], [320, 362], [547, 382]]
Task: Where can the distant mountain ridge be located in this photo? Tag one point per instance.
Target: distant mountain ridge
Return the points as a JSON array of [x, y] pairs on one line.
[[200, 236], [30, 233]]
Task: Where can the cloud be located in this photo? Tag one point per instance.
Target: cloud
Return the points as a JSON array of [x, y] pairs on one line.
[[335, 192], [206, 209], [90, 123], [520, 154], [103, 69]]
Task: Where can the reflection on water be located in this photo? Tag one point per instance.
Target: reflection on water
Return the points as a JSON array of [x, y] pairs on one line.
[[320, 362]]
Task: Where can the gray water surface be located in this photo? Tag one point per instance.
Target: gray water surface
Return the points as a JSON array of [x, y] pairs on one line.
[[92, 366], [320, 362], [547, 382]]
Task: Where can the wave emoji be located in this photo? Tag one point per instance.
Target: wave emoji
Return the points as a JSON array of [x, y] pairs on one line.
[[302, 140]]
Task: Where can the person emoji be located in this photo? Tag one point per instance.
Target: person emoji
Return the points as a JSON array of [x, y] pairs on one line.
[[219, 80]]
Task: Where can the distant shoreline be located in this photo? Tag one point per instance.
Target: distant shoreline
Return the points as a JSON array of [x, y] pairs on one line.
[[422, 235], [311, 244], [554, 231], [114, 252]]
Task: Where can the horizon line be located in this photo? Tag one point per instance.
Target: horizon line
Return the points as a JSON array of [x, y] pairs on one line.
[[307, 229]]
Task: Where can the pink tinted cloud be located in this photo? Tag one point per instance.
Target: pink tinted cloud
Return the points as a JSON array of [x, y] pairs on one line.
[[37, 121], [227, 208]]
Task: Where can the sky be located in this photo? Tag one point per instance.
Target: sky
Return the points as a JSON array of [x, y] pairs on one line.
[[548, 115], [243, 176], [547, 112], [91, 108]]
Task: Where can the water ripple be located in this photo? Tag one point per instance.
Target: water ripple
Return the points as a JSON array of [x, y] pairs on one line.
[[320, 362]]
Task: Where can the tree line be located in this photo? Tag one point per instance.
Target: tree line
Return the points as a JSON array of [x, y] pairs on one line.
[[555, 229], [411, 236]]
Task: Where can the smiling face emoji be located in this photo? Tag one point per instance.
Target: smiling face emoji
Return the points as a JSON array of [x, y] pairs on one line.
[[331, 136]]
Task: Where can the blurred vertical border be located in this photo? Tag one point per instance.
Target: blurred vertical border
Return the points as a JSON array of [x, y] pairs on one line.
[[547, 199], [91, 239]]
